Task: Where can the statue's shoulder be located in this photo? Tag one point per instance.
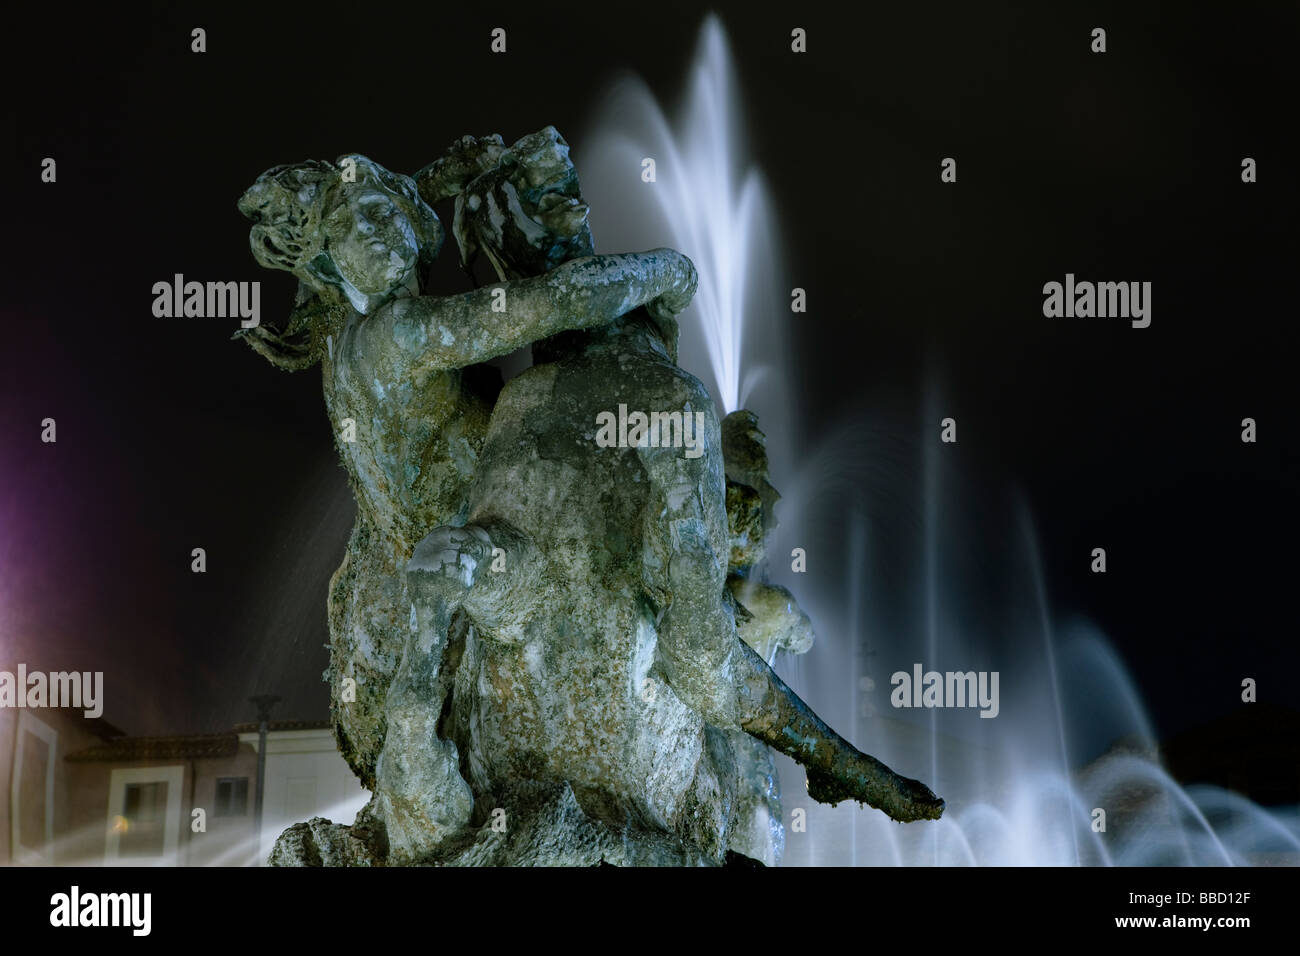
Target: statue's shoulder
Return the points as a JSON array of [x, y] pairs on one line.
[[531, 389], [676, 385]]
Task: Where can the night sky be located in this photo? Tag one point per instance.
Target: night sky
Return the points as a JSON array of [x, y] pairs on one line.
[[1122, 166]]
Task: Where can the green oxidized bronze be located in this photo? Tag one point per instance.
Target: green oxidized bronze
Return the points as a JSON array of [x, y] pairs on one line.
[[543, 650]]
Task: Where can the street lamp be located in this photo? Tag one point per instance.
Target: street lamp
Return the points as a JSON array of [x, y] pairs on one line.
[[264, 703]]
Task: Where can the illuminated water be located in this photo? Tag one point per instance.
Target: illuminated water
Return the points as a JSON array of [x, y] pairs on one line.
[[1023, 788], [708, 201]]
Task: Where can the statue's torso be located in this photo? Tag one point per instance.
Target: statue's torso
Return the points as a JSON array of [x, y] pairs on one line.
[[415, 450], [417, 438], [575, 696]]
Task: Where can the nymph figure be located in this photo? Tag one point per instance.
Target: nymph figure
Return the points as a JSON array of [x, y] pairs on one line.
[[408, 409]]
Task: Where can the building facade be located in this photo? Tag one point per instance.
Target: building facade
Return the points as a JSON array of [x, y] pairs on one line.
[[79, 792]]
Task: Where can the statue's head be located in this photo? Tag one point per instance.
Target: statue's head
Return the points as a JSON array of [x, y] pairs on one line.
[[350, 225], [525, 212]]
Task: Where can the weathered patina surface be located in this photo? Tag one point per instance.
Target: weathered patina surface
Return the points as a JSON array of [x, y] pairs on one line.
[[560, 649]]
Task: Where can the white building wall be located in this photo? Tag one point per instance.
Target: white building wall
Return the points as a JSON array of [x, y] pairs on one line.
[[306, 777]]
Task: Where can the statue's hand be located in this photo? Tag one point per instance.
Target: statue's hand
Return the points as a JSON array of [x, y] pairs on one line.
[[869, 781], [682, 282], [453, 559]]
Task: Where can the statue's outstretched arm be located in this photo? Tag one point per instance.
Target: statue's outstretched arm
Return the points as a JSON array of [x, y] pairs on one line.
[[711, 669], [429, 333]]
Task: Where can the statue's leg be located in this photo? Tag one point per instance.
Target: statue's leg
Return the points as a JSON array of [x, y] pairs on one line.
[[421, 795], [487, 570], [708, 665], [773, 713]]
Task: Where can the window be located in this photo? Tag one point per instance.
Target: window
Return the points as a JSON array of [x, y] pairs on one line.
[[232, 797], [144, 812], [144, 815]]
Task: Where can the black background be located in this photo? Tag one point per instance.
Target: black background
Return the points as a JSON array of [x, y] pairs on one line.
[[1122, 166]]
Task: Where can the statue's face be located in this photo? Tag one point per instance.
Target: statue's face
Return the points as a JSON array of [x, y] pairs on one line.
[[528, 214], [363, 234], [547, 185], [372, 242]]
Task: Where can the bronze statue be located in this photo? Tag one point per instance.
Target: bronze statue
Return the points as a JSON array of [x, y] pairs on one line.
[[558, 675]]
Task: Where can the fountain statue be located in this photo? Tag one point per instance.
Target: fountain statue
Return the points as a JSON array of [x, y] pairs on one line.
[[545, 648]]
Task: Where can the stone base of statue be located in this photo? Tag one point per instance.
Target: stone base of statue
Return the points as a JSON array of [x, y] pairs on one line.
[[545, 826]]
